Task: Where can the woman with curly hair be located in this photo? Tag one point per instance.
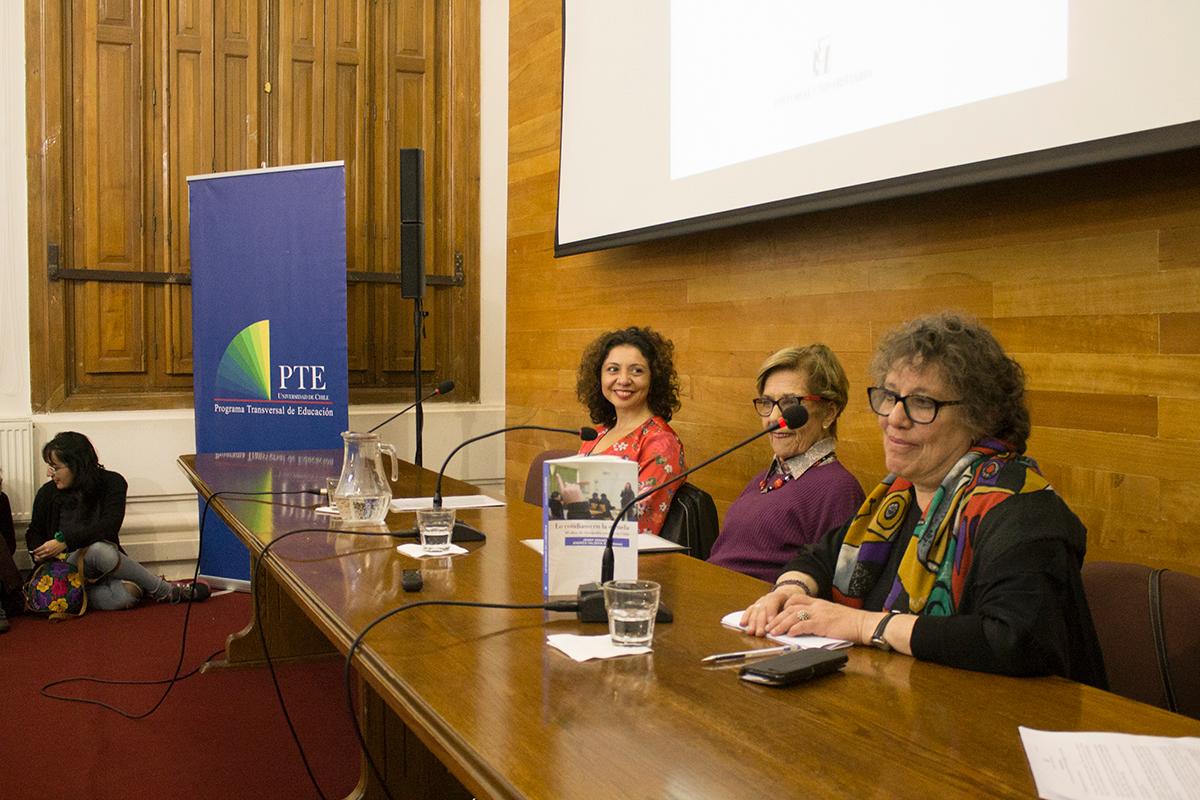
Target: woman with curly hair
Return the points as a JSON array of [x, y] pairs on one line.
[[627, 381], [82, 507], [964, 554]]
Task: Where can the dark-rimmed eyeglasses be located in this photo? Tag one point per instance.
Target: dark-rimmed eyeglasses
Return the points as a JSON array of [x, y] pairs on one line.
[[763, 406], [919, 408]]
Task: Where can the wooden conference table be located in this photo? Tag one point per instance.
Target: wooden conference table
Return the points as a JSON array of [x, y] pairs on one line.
[[481, 692]]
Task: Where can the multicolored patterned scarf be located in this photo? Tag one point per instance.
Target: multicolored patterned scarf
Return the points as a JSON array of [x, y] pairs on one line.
[[937, 557]]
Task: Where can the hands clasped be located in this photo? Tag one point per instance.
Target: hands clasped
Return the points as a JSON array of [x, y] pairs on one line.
[[789, 611]]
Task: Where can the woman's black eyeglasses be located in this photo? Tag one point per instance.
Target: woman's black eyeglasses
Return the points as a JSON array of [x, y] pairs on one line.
[[919, 408], [764, 405]]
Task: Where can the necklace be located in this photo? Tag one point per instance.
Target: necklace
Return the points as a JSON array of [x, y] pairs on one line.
[[792, 468]]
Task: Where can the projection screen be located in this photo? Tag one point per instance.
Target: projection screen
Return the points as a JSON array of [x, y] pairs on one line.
[[685, 115]]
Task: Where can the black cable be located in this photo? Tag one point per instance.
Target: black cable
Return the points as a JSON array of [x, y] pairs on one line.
[[175, 677], [262, 638], [560, 605], [118, 682]]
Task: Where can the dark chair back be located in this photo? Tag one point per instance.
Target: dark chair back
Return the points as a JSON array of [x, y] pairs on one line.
[[692, 520], [1147, 633], [533, 480]]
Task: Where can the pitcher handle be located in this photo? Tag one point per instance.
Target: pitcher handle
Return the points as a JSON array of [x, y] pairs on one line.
[[384, 447]]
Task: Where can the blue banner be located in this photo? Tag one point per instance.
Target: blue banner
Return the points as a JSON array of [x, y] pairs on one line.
[[268, 252]]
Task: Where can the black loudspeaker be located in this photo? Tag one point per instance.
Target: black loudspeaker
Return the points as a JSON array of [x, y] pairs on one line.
[[412, 223]]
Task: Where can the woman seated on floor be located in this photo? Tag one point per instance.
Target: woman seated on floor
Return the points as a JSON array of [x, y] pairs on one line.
[[83, 506]]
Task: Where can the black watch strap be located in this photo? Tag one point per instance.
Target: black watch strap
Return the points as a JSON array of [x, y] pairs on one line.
[[877, 639]]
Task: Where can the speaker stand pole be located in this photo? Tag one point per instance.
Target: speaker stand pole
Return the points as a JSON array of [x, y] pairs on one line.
[[418, 326]]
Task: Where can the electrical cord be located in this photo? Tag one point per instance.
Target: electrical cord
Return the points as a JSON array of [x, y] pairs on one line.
[[176, 676], [561, 605], [118, 682]]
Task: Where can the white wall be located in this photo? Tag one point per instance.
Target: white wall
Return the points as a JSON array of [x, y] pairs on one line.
[[161, 524]]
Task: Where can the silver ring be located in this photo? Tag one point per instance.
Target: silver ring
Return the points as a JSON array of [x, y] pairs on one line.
[[802, 615]]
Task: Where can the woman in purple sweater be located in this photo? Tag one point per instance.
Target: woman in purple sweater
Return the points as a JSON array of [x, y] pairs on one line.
[[805, 492]]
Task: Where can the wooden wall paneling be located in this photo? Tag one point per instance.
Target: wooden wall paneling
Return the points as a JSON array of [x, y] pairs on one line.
[[301, 83], [347, 111], [1089, 277], [1179, 418], [238, 77], [215, 85], [1117, 413], [47, 34], [460, 174], [1180, 333], [1179, 248], [1100, 333], [190, 128], [109, 182], [406, 83]]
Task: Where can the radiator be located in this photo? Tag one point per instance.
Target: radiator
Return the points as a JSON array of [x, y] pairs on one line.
[[17, 465]]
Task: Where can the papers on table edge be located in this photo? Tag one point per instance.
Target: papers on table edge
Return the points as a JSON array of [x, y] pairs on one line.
[[1080, 765], [455, 501], [647, 543], [730, 620]]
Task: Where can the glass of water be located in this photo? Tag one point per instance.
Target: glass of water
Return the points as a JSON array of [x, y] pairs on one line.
[[631, 606], [435, 526]]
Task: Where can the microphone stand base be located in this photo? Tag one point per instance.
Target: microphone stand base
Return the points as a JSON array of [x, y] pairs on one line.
[[591, 605], [466, 533]]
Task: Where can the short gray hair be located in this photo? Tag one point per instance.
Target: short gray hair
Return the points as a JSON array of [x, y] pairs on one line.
[[821, 367]]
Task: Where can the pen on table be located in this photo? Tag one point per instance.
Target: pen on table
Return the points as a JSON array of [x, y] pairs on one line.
[[744, 654]]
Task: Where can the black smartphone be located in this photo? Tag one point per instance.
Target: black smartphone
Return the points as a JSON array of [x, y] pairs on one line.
[[793, 667]]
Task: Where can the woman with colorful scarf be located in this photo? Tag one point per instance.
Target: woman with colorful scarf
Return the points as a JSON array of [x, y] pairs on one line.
[[963, 555]]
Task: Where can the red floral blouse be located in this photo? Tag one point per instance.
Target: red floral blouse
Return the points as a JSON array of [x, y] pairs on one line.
[[659, 454]]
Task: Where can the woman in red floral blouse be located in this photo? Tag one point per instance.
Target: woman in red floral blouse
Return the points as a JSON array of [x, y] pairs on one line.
[[627, 381]]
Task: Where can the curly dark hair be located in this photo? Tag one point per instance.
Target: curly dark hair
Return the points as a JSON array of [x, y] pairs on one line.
[[663, 397], [75, 451], [974, 366]]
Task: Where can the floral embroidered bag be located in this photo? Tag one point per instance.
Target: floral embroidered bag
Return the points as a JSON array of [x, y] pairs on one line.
[[57, 588]]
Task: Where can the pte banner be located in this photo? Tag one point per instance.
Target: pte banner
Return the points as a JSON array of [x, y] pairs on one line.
[[268, 251]]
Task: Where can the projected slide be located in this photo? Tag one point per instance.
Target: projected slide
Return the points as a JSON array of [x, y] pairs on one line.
[[750, 79]]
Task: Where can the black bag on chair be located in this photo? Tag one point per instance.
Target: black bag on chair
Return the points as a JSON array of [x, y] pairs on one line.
[[692, 520]]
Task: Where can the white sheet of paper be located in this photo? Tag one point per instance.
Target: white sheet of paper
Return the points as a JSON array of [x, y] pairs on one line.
[[585, 648], [647, 543], [417, 551], [730, 620], [1076, 765], [456, 501]]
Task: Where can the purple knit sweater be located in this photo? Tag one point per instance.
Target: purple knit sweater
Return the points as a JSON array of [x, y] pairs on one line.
[[764, 530]]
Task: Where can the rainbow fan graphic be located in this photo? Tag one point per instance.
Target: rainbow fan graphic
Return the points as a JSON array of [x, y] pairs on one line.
[[245, 368]]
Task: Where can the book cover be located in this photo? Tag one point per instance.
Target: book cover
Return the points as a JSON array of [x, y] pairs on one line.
[[580, 498]]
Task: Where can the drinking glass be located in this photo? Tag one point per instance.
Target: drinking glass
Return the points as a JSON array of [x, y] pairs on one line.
[[631, 607], [435, 526]]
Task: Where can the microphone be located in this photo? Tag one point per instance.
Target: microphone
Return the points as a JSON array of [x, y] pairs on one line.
[[585, 434], [591, 595], [445, 387]]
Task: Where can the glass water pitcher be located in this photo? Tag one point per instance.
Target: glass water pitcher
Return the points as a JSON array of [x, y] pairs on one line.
[[363, 492]]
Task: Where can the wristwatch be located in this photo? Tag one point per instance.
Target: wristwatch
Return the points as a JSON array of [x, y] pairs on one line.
[[877, 639]]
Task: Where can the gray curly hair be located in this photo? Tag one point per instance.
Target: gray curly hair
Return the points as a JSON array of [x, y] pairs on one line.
[[974, 366]]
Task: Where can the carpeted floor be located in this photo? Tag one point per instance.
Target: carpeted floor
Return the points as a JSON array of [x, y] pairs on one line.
[[219, 734]]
